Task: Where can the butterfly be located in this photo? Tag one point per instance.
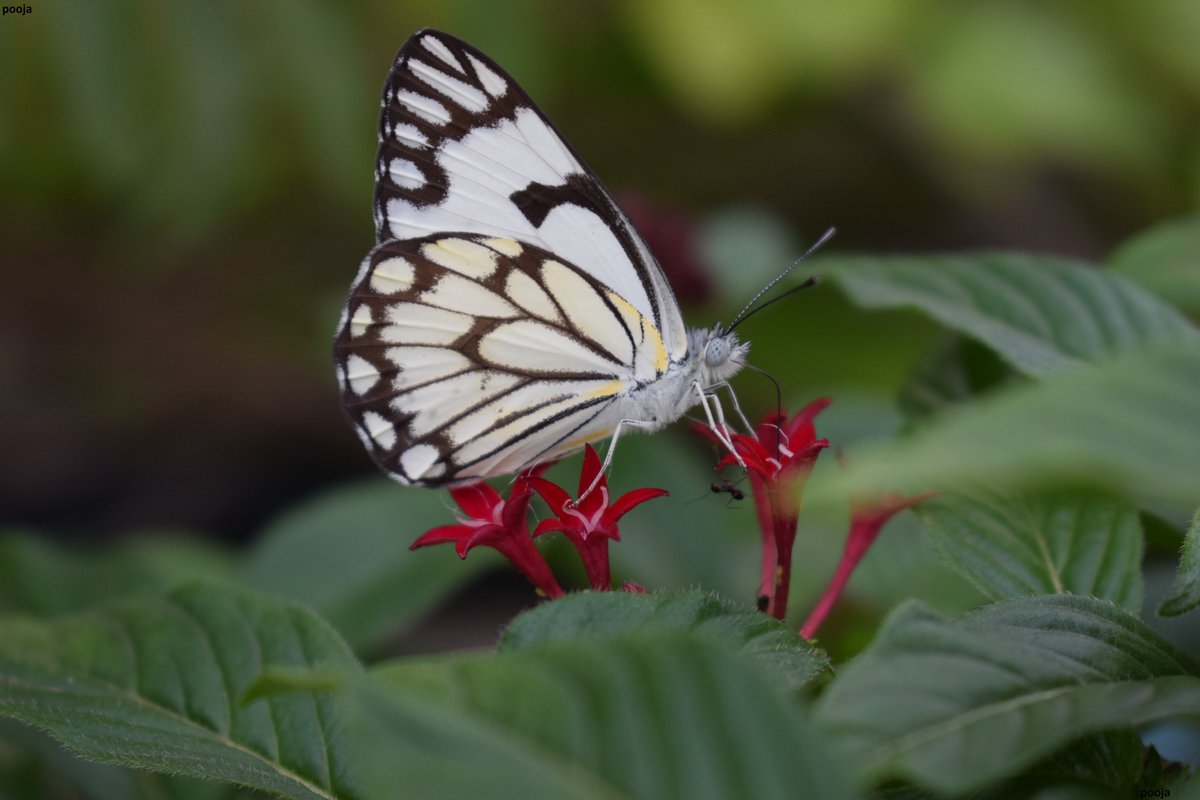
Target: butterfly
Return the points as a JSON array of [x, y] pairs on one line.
[[509, 313]]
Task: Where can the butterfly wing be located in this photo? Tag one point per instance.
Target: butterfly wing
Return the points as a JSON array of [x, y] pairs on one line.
[[463, 148], [464, 356], [509, 305]]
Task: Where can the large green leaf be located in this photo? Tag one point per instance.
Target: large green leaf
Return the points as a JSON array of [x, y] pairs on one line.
[[1097, 767], [346, 555], [590, 615], [653, 717], [1184, 594], [955, 371], [40, 577], [1010, 546], [157, 682], [1041, 314], [956, 705], [1166, 260], [1130, 426], [33, 766]]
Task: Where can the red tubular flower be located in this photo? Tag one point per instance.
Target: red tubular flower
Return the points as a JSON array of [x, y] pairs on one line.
[[778, 458], [593, 522], [495, 522], [866, 521]]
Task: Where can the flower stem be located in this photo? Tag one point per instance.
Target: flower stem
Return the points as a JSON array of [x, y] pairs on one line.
[[831, 594], [783, 575]]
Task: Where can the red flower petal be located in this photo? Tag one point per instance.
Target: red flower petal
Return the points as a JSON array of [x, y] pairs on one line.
[[555, 496], [806, 415], [630, 500], [598, 498], [478, 500], [444, 533], [516, 507], [591, 467]]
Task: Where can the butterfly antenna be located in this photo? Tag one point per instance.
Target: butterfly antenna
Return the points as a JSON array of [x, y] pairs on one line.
[[749, 309]]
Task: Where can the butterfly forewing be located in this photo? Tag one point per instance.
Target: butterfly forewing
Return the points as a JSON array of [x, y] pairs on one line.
[[463, 356], [463, 148]]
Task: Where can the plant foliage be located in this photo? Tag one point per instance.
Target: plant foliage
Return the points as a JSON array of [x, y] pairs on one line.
[[1060, 416]]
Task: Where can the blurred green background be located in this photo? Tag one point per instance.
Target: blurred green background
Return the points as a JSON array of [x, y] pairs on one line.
[[187, 186]]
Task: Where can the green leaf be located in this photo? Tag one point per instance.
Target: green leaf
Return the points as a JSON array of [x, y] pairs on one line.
[[956, 705], [345, 554], [1010, 545], [1094, 768], [594, 615], [1166, 260], [156, 682], [953, 373], [662, 717], [50, 772], [40, 577], [1130, 426], [1184, 594], [1041, 314]]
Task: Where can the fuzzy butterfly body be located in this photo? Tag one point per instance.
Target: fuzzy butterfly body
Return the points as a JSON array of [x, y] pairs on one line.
[[509, 312]]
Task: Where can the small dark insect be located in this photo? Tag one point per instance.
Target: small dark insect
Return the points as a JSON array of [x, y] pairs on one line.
[[728, 488]]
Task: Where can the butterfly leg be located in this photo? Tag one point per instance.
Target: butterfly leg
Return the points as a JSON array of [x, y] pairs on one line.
[[608, 455], [717, 423], [737, 407]]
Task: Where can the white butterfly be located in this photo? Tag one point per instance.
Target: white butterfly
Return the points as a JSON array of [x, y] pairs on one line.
[[509, 312]]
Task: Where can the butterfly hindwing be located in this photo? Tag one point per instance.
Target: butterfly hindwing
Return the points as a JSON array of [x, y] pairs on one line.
[[463, 148], [462, 356]]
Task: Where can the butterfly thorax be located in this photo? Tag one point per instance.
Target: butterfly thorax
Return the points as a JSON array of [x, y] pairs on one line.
[[713, 357]]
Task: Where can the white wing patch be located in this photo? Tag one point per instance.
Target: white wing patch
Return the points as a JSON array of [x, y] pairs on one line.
[[524, 451], [424, 107], [529, 295], [460, 255], [360, 321], [379, 429], [435, 46], [405, 173], [416, 460], [453, 89], [418, 365], [507, 247], [361, 375], [438, 403], [416, 323], [393, 275], [492, 83], [533, 346], [409, 135], [587, 311], [468, 297], [545, 143]]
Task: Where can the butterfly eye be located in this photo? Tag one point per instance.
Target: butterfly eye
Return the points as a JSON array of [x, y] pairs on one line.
[[716, 352]]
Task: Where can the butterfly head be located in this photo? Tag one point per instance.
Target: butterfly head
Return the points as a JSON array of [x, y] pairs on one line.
[[721, 354]]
